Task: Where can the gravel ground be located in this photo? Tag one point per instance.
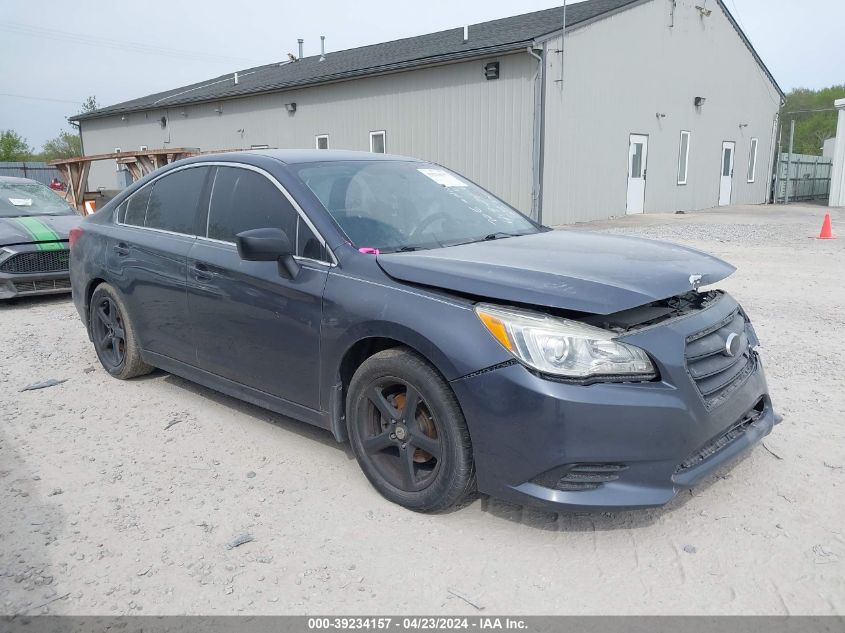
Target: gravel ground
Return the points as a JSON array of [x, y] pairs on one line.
[[121, 497]]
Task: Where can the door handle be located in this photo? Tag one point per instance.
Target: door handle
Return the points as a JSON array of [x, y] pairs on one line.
[[201, 272], [121, 249]]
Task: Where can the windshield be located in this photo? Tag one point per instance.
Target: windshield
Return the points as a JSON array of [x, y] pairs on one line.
[[393, 205], [30, 198]]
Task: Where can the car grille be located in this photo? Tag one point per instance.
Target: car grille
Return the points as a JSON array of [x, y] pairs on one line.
[[716, 373], [36, 262], [42, 285], [726, 438]]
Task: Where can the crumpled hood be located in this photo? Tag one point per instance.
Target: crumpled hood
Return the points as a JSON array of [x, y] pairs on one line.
[[572, 270], [36, 228]]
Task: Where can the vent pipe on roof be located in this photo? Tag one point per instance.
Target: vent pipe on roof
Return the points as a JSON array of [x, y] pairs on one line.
[[300, 41], [322, 48], [466, 34], [236, 79]]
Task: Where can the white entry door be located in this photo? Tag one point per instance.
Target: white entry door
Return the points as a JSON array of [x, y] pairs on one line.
[[726, 179], [637, 159]]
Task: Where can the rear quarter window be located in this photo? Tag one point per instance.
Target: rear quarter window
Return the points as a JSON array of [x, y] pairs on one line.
[[134, 209]]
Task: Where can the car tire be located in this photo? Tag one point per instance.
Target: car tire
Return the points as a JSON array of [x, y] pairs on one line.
[[422, 461], [114, 335]]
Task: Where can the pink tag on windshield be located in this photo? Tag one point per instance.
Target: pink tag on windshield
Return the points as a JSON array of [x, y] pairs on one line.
[[369, 251]]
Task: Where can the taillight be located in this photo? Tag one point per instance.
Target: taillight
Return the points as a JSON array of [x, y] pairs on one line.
[[75, 234]]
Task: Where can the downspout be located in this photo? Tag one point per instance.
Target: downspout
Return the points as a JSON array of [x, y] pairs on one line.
[[78, 126], [772, 162], [537, 132]]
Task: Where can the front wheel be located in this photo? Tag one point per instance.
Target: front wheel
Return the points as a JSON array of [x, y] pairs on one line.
[[114, 336], [408, 432]]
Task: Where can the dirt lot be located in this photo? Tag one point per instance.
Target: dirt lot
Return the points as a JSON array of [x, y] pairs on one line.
[[120, 497]]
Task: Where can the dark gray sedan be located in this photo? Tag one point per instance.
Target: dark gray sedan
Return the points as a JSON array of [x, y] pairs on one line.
[[34, 228], [458, 345]]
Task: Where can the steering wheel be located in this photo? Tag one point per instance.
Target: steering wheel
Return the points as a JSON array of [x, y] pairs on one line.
[[424, 223]]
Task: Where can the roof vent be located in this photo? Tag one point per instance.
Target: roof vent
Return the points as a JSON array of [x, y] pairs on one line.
[[300, 41], [466, 34], [322, 48], [236, 78]]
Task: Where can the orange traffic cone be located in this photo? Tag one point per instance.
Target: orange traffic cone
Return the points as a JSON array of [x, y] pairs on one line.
[[826, 232]]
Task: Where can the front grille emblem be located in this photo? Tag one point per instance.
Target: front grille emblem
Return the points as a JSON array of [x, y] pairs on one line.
[[732, 344], [695, 281]]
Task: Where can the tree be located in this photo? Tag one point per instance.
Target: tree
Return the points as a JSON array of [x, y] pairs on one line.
[[90, 104], [811, 127], [65, 145], [13, 147]]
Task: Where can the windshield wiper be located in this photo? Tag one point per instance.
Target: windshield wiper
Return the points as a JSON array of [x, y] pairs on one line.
[[487, 238], [498, 235]]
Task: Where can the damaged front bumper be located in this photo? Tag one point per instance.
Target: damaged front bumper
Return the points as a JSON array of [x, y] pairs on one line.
[[635, 445]]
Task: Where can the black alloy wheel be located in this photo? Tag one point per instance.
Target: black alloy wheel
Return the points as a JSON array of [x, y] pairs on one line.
[[408, 432], [400, 435], [114, 336], [109, 333]]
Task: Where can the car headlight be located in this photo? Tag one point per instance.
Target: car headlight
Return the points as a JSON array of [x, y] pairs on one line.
[[565, 348]]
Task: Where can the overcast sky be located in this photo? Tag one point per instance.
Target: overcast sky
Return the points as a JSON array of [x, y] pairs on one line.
[[53, 54]]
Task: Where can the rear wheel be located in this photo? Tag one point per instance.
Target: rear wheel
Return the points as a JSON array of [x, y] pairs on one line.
[[113, 334], [408, 432]]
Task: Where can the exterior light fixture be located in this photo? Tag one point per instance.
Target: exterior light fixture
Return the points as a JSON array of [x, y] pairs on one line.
[[699, 101], [290, 107], [491, 71]]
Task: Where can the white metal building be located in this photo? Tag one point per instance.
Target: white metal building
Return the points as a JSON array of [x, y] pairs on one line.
[[643, 105]]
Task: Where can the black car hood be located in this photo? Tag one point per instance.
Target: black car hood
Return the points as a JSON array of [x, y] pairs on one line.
[[12, 231], [572, 270]]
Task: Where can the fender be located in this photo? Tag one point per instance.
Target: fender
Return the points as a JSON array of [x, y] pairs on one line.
[[410, 315]]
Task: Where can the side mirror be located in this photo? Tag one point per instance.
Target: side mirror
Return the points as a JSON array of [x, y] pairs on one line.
[[268, 245]]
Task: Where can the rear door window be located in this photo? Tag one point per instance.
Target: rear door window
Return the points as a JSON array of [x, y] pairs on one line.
[[174, 201], [242, 199]]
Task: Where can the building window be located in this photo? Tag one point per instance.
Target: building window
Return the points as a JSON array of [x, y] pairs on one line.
[[683, 158], [378, 143], [752, 161], [323, 141]]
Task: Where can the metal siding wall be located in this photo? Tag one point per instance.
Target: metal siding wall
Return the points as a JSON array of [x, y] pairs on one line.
[[619, 73], [102, 136], [40, 172], [448, 114]]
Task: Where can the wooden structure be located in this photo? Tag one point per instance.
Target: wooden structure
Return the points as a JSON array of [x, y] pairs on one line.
[[139, 163]]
